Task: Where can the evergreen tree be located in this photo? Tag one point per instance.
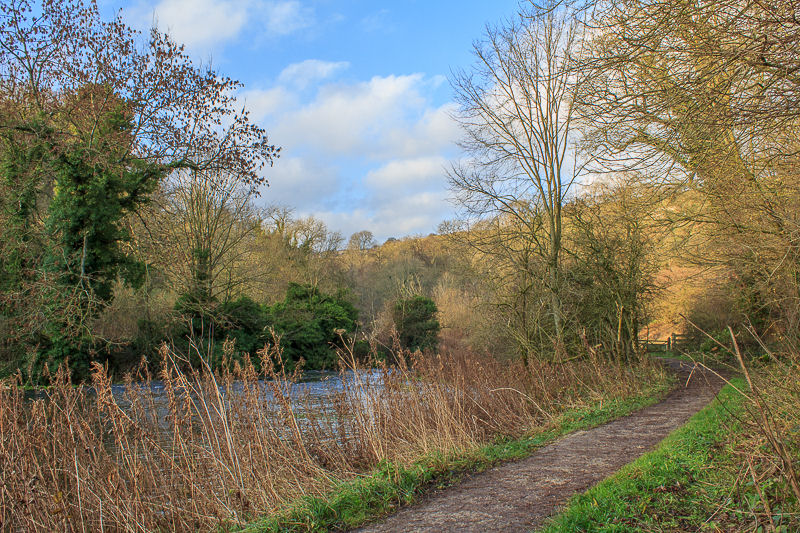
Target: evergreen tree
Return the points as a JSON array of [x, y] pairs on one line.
[[415, 320]]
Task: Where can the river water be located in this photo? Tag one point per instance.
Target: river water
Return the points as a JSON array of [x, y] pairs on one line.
[[313, 392]]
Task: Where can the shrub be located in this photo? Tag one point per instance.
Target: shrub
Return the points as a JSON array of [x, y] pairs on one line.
[[310, 324], [245, 321]]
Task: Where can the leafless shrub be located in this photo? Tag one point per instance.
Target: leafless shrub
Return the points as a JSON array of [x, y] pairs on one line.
[[772, 452]]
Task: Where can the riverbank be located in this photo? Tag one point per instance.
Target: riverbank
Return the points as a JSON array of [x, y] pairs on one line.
[[228, 453], [391, 486]]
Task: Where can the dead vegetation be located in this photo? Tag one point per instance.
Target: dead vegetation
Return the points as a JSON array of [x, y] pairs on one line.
[[770, 449], [196, 450]]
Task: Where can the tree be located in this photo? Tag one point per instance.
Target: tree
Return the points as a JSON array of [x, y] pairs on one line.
[[516, 114], [700, 98], [208, 219], [53, 51], [89, 111], [91, 199], [416, 324], [311, 323], [361, 241], [612, 265]]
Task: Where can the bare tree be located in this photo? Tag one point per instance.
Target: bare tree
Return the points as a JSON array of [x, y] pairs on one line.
[[361, 241], [516, 113], [207, 220], [300, 249]]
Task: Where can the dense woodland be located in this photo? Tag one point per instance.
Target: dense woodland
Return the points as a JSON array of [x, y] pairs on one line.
[[619, 183], [630, 170]]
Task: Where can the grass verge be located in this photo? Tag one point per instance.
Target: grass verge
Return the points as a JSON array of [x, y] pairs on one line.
[[391, 485], [691, 482]]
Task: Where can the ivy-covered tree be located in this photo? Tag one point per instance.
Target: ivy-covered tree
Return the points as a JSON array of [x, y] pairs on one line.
[[96, 184], [91, 198], [92, 117]]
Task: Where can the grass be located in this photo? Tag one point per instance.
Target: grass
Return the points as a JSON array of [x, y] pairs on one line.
[[390, 485], [218, 450], [694, 481]]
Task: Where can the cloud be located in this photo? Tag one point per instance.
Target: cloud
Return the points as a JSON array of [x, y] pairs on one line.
[[264, 103], [205, 24], [201, 23], [283, 18], [378, 21], [377, 118], [435, 130], [366, 154], [409, 215], [303, 74], [292, 179], [401, 197], [407, 174]]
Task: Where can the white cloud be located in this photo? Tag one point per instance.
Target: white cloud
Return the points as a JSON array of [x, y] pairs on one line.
[[205, 24], [367, 155], [409, 215], [434, 131], [265, 103], [408, 174], [378, 118], [378, 21], [299, 183], [201, 23], [283, 18], [303, 74]]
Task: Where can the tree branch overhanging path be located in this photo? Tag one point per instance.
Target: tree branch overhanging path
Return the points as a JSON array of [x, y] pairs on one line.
[[521, 495]]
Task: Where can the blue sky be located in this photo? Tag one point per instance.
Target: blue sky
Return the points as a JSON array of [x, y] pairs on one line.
[[354, 91]]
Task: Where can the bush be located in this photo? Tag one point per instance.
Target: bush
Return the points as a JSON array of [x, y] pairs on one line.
[[310, 324], [416, 324]]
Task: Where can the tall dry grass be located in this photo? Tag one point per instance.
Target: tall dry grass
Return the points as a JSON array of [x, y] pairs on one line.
[[215, 449], [769, 451]]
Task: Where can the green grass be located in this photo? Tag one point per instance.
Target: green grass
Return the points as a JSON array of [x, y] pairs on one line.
[[389, 486], [686, 484]]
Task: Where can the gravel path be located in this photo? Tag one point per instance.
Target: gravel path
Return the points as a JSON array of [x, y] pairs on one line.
[[519, 496]]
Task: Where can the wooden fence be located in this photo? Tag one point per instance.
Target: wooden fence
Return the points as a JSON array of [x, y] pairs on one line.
[[676, 341]]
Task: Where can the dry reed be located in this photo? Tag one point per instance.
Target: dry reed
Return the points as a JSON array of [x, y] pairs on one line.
[[215, 449]]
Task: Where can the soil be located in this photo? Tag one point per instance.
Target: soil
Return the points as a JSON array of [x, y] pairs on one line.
[[521, 495]]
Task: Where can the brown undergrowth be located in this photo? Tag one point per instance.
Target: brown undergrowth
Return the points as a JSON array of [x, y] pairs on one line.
[[215, 449], [768, 482]]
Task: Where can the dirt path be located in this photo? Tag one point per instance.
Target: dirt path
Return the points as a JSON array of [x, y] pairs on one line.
[[519, 496]]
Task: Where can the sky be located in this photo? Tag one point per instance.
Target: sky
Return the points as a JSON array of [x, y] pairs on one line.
[[355, 92]]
